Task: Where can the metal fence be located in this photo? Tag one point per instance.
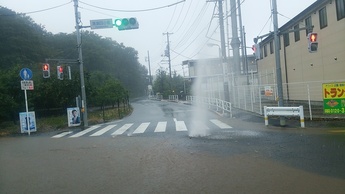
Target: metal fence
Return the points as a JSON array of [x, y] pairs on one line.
[[255, 96], [215, 104]]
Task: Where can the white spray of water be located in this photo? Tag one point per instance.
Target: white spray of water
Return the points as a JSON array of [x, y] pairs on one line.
[[198, 128]]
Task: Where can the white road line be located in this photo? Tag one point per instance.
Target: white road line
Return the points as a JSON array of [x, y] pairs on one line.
[[122, 129], [141, 128], [84, 131], [220, 124], [62, 134], [102, 131], [180, 126], [161, 126]]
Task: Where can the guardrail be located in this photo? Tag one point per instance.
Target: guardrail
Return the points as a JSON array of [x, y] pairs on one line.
[[284, 111], [218, 104], [173, 98]]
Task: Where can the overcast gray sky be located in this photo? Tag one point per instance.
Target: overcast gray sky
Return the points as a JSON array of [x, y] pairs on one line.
[[190, 22]]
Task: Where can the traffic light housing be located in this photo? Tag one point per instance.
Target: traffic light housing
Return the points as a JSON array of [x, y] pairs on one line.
[[257, 51], [312, 42], [126, 23], [46, 70], [60, 72]]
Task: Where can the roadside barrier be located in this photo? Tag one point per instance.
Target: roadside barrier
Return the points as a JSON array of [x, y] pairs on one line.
[[284, 111], [173, 98]]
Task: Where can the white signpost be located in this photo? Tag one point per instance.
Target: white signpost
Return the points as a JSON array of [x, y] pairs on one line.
[[27, 84], [102, 23]]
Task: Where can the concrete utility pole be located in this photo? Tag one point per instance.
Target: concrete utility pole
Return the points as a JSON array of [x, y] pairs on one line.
[[148, 60], [168, 51], [221, 26], [235, 41], [277, 56], [81, 66]]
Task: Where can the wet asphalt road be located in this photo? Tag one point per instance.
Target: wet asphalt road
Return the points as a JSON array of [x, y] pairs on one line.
[[247, 158]]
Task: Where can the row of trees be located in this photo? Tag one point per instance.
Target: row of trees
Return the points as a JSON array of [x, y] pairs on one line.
[[112, 70], [175, 85]]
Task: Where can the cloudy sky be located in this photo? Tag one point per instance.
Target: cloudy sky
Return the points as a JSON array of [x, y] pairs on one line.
[[193, 23]]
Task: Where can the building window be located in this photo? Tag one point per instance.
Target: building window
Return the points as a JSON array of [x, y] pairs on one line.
[[323, 18], [286, 39], [271, 47], [308, 25], [265, 51], [340, 6], [296, 33]]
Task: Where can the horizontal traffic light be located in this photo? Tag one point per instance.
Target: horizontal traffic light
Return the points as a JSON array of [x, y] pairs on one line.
[[126, 23]]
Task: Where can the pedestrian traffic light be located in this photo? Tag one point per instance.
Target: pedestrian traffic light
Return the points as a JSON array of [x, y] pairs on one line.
[[256, 49], [126, 23], [46, 70], [312, 42], [60, 72]]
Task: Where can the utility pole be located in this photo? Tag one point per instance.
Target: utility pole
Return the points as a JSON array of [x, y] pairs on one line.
[[235, 41], [221, 26], [168, 51], [148, 60], [277, 56], [81, 66]]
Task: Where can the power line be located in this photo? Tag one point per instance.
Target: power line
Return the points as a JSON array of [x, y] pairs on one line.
[[139, 10], [42, 10]]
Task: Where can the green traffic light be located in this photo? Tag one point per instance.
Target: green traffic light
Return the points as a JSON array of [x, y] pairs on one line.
[[118, 22], [126, 23]]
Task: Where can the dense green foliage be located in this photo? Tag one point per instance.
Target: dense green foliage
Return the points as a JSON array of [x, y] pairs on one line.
[[112, 71], [176, 85]]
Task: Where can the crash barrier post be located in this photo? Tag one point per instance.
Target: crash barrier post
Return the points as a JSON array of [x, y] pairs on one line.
[[284, 111]]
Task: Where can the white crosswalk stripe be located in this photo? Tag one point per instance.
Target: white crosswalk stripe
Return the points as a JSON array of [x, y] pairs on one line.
[[142, 128], [122, 129], [85, 131], [62, 134], [220, 124], [159, 127], [180, 125], [104, 130]]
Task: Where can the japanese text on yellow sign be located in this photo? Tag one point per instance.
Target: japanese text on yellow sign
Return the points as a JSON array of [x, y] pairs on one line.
[[334, 98]]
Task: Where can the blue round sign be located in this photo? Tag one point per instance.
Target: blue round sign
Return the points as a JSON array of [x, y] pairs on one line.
[[26, 74]]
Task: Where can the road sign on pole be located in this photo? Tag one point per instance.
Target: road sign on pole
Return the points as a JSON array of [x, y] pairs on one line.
[[25, 74], [27, 84], [100, 24]]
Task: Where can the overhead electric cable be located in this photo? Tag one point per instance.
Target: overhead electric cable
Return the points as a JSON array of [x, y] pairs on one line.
[[140, 10], [42, 10]]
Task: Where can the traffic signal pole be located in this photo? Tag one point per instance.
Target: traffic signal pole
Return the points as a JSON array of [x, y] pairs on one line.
[[81, 66]]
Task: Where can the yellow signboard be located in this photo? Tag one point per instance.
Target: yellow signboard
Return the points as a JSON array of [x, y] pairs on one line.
[[333, 98]]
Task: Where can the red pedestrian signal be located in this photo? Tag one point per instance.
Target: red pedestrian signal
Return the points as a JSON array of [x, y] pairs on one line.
[[46, 70], [312, 42], [60, 72]]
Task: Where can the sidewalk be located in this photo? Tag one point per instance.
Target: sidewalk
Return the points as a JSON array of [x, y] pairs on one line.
[[291, 122]]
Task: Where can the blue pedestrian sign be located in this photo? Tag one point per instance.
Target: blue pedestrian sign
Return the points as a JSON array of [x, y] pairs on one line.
[[26, 74]]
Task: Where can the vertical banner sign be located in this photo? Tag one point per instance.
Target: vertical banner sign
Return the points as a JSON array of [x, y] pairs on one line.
[[27, 122], [333, 98], [73, 116]]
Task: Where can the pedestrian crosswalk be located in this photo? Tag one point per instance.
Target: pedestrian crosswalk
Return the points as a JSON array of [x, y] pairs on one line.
[[131, 128]]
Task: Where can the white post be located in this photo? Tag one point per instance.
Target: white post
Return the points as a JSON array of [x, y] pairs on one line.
[[27, 112], [301, 114], [310, 113], [265, 115]]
